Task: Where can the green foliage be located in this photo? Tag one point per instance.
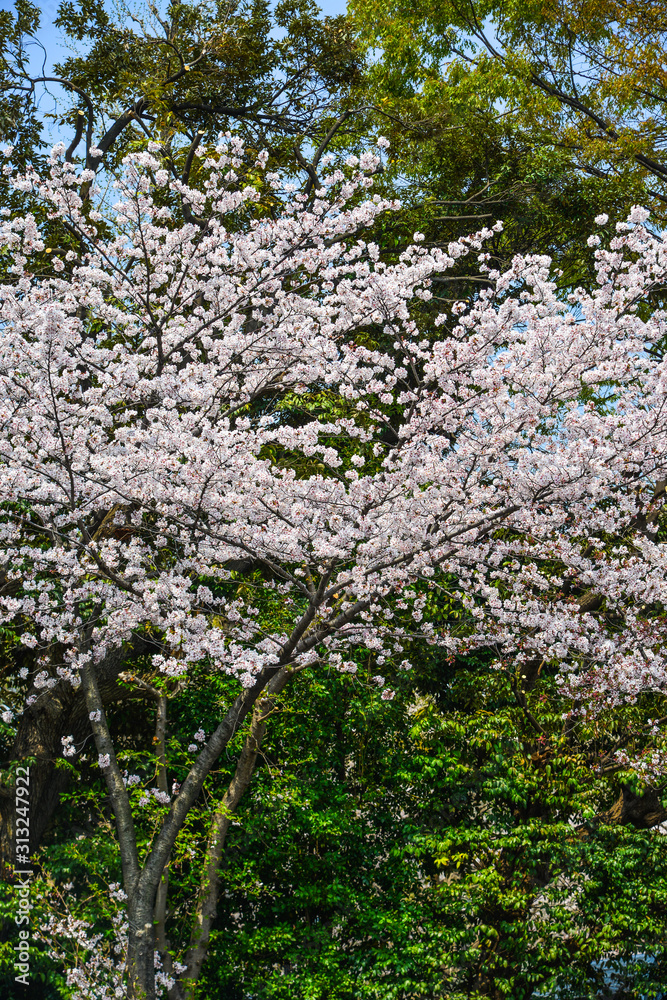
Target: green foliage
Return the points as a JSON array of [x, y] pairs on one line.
[[478, 135], [429, 846], [436, 855]]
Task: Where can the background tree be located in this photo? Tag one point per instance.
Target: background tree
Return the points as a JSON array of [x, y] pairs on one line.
[[543, 115], [186, 72]]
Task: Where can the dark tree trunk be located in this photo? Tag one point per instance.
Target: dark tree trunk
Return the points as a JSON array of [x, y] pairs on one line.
[[56, 712], [641, 811], [140, 965]]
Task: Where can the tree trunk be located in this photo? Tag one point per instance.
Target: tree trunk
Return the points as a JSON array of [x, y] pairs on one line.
[[210, 885], [60, 711], [641, 811], [140, 965]]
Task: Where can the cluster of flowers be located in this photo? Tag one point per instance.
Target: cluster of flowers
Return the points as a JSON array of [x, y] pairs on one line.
[[100, 975], [141, 381]]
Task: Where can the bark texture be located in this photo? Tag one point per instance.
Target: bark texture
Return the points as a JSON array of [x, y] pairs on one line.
[[641, 811]]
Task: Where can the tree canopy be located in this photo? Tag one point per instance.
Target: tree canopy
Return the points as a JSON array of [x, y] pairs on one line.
[[332, 590]]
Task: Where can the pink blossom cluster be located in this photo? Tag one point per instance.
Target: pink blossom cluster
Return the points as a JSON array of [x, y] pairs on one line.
[[146, 386], [94, 963]]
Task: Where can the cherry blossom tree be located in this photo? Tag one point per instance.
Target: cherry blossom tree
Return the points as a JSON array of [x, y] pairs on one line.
[[149, 447]]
